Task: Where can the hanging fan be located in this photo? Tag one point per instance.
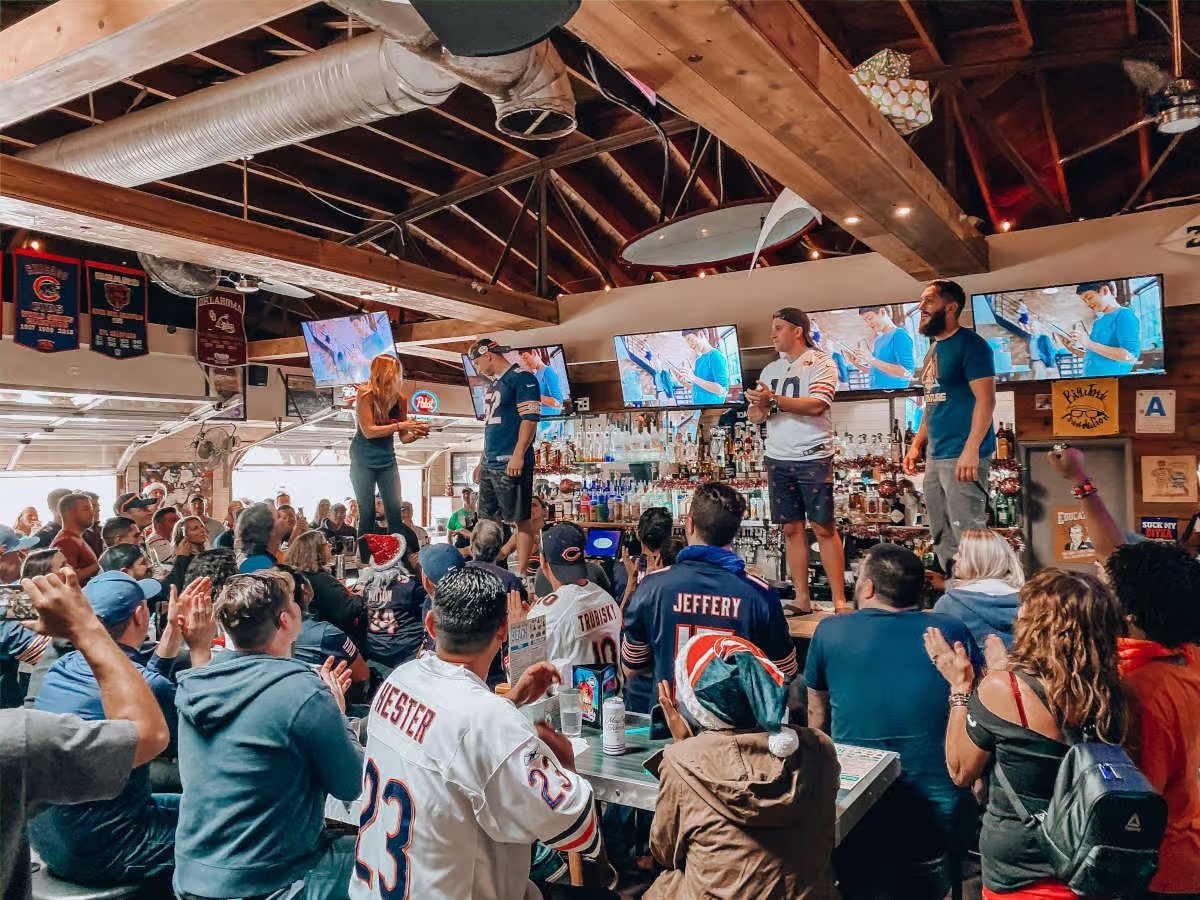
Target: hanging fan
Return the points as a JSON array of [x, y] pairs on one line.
[[180, 278]]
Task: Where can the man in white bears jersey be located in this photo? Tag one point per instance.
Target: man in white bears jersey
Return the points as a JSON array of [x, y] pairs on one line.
[[583, 621], [795, 398], [458, 785]]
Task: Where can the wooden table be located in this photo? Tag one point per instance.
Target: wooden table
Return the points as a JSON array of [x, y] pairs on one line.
[[805, 626]]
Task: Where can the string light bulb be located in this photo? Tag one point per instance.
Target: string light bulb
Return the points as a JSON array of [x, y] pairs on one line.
[[1006, 225], [815, 254], [703, 273], [35, 244]]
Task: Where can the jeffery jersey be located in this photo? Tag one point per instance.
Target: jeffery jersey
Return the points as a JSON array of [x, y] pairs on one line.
[[583, 626], [456, 789], [511, 399]]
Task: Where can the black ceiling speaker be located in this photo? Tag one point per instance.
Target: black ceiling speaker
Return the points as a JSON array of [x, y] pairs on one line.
[[493, 27]]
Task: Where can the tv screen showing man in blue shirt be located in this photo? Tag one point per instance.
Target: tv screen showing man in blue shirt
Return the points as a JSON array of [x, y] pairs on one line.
[[553, 393], [1113, 344], [890, 363]]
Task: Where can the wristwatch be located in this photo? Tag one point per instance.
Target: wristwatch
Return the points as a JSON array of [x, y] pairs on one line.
[[772, 406]]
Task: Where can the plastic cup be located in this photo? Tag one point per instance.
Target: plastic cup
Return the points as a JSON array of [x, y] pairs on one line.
[[570, 712]]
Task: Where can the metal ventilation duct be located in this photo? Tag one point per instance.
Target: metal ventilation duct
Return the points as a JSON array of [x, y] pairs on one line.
[[347, 84]]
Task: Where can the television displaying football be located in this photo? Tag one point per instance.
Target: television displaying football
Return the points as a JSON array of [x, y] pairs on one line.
[[1091, 329]]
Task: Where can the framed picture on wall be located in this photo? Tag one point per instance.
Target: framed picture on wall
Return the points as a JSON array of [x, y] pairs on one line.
[[304, 398], [226, 383], [462, 466], [180, 479]]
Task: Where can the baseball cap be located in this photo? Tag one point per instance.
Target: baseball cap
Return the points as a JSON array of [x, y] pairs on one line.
[[484, 346], [115, 596], [793, 316], [438, 559], [130, 501], [11, 541], [563, 551]]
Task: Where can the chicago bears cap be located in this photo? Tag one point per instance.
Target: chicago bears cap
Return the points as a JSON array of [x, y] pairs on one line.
[[563, 551], [484, 346]]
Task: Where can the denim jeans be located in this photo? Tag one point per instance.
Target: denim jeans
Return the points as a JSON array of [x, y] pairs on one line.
[[954, 506], [364, 480]]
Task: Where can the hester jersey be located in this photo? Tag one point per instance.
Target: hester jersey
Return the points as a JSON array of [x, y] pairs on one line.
[[699, 597], [457, 788], [511, 399], [583, 626]]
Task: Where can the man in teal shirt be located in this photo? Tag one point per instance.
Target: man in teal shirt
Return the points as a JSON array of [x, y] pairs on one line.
[[1113, 345], [890, 363], [710, 374], [552, 395]]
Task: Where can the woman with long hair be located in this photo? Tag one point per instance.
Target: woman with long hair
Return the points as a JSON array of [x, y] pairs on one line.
[[381, 414], [27, 522], [191, 539], [324, 505], [1061, 682], [987, 586], [311, 554]]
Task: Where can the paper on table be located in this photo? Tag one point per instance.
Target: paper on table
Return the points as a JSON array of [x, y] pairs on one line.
[[856, 763], [526, 646], [578, 745]]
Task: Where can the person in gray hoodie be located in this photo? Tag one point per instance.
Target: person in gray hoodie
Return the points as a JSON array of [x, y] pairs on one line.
[[262, 740], [987, 586]]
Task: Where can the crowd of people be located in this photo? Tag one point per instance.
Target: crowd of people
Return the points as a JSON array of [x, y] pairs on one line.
[[200, 763]]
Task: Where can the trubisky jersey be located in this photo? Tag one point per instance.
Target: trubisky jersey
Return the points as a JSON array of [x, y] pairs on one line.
[[511, 399], [583, 626], [698, 597], [456, 789]]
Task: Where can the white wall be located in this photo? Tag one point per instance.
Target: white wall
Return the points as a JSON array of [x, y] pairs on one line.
[[1113, 247]]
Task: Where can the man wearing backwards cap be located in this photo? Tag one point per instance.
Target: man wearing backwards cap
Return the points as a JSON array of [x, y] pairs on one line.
[[583, 621], [512, 409], [131, 837], [795, 398], [133, 506], [762, 793]]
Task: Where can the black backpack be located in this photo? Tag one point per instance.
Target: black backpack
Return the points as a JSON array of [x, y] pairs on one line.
[[1103, 826]]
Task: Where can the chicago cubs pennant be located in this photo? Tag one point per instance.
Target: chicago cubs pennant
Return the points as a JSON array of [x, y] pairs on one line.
[[117, 300], [221, 329], [46, 291]]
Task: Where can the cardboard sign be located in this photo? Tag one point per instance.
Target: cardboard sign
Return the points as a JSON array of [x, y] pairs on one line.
[[46, 291], [117, 300], [1158, 528], [1072, 543], [1168, 479], [1085, 408], [1155, 412], [221, 329]]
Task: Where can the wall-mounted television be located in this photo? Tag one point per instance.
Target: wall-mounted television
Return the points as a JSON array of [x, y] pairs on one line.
[[688, 367], [548, 366], [876, 348], [1091, 329], [340, 350]]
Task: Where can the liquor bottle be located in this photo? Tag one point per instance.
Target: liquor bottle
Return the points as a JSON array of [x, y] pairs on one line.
[[909, 435], [585, 505], [1002, 446], [896, 514], [897, 452]]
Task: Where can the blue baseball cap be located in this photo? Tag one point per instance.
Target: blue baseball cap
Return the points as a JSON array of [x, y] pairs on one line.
[[438, 559], [11, 541], [116, 596], [563, 549]]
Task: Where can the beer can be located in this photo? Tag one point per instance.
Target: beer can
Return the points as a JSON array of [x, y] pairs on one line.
[[613, 714]]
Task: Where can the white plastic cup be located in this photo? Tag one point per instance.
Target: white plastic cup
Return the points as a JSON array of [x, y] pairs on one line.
[[570, 712]]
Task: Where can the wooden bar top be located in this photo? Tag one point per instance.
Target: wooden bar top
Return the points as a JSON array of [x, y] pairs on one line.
[[804, 626]]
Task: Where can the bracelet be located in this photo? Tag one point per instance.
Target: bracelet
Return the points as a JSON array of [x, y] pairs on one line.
[[957, 699], [1084, 489]]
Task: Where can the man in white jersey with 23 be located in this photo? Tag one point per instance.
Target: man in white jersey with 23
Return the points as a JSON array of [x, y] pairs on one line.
[[583, 621], [458, 785]]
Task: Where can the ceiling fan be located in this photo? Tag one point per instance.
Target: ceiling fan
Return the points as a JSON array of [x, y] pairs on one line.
[[1174, 101]]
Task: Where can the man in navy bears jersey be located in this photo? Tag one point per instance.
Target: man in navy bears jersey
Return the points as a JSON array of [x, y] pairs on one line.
[[512, 409], [707, 590], [795, 398]]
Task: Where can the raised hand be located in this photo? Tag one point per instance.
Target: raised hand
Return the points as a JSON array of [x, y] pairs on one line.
[[952, 662], [337, 679], [534, 682], [995, 654], [63, 611], [197, 620], [680, 730], [516, 608]]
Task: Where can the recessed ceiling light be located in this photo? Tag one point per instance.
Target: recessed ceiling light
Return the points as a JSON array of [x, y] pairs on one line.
[[815, 254], [702, 273], [607, 288], [852, 220], [1006, 225], [902, 211], [35, 244]]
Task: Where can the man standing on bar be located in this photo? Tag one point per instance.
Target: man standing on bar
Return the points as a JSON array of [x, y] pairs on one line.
[[795, 398], [956, 436]]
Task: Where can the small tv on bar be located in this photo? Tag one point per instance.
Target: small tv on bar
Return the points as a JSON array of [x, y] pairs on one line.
[[340, 350], [549, 367], [691, 367], [877, 347], [1091, 329]]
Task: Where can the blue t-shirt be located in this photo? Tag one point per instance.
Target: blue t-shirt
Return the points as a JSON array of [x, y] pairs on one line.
[[256, 563], [549, 385], [375, 344], [885, 693], [711, 367], [511, 399], [706, 590], [895, 347], [319, 640], [1118, 328], [950, 367]]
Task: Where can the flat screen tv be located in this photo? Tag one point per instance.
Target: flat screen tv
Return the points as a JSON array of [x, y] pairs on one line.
[[1092, 329], [340, 350], [548, 366], [876, 348], [671, 369]]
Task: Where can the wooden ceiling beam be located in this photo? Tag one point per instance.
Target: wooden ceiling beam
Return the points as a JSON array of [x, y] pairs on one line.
[[975, 156], [821, 19], [73, 47], [68, 205], [772, 92], [1021, 13], [1060, 174]]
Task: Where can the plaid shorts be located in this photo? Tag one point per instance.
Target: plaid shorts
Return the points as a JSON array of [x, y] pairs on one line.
[[800, 490]]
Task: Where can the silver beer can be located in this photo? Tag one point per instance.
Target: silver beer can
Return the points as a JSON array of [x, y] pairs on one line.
[[613, 714]]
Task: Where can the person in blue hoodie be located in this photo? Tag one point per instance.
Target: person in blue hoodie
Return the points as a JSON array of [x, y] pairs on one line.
[[130, 838], [987, 586], [262, 740]]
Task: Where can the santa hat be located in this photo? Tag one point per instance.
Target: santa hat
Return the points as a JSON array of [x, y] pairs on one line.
[[724, 683], [154, 486], [387, 555]]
